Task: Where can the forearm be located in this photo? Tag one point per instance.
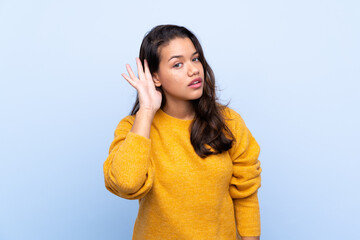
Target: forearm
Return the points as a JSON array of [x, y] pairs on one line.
[[247, 215], [142, 122]]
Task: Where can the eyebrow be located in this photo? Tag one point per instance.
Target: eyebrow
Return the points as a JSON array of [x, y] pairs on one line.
[[180, 56]]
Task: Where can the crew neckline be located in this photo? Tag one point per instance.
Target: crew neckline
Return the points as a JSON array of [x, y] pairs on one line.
[[174, 118]]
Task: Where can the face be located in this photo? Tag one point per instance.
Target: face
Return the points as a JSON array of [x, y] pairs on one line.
[[179, 66]]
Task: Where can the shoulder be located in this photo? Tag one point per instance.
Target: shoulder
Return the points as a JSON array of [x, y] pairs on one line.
[[126, 120], [236, 125], [125, 124], [243, 137], [232, 118]]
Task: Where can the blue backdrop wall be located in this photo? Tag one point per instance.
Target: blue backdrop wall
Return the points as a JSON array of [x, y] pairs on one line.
[[290, 68]]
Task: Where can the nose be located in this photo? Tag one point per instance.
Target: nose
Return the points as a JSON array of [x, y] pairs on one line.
[[193, 69]]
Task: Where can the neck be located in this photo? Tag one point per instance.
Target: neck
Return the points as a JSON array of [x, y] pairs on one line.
[[182, 110]]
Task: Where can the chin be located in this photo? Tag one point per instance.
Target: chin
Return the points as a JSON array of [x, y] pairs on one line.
[[197, 96]]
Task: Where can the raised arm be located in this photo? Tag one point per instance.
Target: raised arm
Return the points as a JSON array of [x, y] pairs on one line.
[[128, 170]]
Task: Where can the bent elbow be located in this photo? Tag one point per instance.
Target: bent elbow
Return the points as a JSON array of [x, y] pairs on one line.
[[130, 187]]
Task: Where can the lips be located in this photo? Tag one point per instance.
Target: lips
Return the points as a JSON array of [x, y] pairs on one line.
[[196, 80]]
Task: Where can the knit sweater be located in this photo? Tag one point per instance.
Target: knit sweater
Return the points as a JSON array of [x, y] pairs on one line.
[[181, 195]]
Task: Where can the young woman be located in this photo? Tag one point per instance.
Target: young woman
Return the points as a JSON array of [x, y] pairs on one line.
[[191, 161]]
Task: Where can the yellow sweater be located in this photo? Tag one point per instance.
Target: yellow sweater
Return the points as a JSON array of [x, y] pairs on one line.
[[182, 196]]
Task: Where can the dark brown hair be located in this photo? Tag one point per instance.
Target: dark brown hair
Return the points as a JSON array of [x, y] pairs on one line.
[[208, 127]]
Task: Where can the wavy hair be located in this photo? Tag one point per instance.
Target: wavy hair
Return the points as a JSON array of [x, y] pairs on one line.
[[208, 127]]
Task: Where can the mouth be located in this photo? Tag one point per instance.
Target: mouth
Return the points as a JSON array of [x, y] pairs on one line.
[[195, 82]]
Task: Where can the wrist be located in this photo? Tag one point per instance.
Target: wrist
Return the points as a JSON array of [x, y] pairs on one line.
[[149, 112]]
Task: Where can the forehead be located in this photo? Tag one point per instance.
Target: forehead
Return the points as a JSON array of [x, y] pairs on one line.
[[177, 46]]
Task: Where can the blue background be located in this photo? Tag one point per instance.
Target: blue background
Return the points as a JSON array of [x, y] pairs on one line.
[[290, 68]]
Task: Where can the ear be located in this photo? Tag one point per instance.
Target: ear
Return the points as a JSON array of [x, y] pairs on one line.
[[156, 80]]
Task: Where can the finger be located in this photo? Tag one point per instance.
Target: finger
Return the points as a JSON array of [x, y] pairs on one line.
[[132, 82], [131, 73], [147, 70], [140, 69]]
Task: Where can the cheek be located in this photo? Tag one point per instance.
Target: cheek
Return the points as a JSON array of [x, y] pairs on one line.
[[201, 69], [168, 81], [171, 78]]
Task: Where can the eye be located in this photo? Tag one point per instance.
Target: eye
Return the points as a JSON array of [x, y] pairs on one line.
[[196, 59], [177, 65]]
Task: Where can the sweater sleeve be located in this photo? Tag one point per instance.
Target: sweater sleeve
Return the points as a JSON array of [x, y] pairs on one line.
[[128, 170], [246, 179]]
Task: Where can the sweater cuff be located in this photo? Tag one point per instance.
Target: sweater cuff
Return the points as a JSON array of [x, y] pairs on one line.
[[138, 137]]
